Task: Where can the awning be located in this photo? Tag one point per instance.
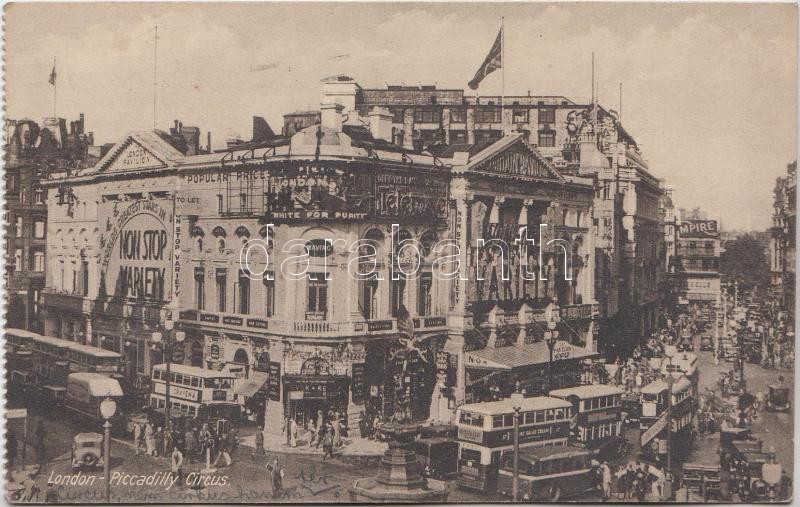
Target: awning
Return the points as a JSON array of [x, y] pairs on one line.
[[251, 386], [528, 354]]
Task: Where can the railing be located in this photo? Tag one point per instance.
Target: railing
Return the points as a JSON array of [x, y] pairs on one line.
[[311, 328]]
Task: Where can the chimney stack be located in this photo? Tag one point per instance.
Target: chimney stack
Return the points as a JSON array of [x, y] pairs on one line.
[[380, 123], [331, 116], [209, 141]]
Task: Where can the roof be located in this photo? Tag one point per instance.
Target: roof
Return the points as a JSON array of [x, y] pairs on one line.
[[194, 370], [657, 386], [528, 354], [588, 391], [543, 453], [507, 405], [95, 351], [97, 383], [82, 437]]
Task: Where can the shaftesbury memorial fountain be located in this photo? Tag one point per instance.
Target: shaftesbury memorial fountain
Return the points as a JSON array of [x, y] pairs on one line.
[[399, 479]]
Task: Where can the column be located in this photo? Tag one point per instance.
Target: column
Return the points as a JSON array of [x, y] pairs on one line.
[[470, 125], [354, 409], [408, 128], [458, 320], [88, 335], [274, 417]]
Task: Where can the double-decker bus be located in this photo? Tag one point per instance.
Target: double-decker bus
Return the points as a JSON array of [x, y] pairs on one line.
[[548, 474], [194, 392], [596, 418], [485, 430], [653, 421], [85, 358], [683, 364], [19, 363], [50, 360]]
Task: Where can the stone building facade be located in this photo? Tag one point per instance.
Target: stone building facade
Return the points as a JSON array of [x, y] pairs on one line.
[[782, 246]]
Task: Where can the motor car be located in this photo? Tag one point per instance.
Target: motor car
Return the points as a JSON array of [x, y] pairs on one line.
[[706, 343], [778, 399], [437, 457], [87, 451]]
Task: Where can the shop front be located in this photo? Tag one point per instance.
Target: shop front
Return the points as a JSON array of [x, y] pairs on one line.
[[494, 373], [312, 395]]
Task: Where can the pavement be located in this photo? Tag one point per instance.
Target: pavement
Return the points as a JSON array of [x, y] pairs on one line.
[[351, 446]]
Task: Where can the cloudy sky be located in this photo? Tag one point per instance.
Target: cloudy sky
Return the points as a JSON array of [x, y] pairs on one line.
[[709, 91]]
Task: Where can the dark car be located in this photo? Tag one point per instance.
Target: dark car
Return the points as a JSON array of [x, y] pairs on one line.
[[437, 457], [706, 343], [778, 399]]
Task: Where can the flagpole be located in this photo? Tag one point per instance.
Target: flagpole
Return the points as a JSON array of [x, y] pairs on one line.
[[502, 68], [55, 88]]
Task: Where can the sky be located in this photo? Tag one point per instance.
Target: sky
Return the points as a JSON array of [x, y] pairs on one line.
[[709, 91]]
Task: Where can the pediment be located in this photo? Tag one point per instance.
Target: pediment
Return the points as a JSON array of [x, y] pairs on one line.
[[513, 156], [139, 151]]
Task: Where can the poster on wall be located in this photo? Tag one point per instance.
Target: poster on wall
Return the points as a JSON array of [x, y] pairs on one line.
[[274, 383], [136, 242], [358, 387]]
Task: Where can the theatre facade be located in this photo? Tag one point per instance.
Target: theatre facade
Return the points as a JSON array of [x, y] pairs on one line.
[[233, 247]]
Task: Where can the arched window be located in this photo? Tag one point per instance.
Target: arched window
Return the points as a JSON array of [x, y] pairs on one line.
[[242, 231], [219, 232], [428, 240]]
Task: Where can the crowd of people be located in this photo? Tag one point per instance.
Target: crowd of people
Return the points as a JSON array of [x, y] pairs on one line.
[[326, 431]]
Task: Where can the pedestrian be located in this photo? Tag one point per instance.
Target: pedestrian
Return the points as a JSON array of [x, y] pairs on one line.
[[277, 479], [149, 439], [11, 449], [292, 432], [137, 437], [312, 433], [176, 463], [233, 438], [785, 485], [641, 484], [260, 442], [287, 430], [170, 441], [41, 449], [159, 442], [190, 444], [327, 445], [337, 430], [605, 478]]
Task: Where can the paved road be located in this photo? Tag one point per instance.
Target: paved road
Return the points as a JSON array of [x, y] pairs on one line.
[[309, 479]]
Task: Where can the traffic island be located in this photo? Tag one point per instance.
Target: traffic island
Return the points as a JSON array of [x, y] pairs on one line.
[[399, 480]]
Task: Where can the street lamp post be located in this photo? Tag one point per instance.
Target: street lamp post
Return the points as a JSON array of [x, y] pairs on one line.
[[515, 478], [551, 337], [166, 341], [669, 352], [107, 409]]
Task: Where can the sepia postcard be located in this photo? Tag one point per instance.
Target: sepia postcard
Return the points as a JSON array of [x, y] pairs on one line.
[[400, 253]]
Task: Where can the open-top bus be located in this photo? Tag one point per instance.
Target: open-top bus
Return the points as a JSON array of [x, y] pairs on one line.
[[596, 418], [485, 430], [548, 474]]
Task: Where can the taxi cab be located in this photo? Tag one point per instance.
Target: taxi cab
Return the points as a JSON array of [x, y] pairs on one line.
[[87, 451]]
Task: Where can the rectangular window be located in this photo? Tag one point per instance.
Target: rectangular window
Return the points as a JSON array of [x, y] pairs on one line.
[[458, 115], [427, 116], [269, 294], [317, 307], [84, 278], [398, 295], [369, 299], [222, 282], [219, 203], [38, 196], [520, 116], [18, 259], [488, 115], [547, 115], [139, 359], [547, 138], [244, 293], [424, 301], [38, 229], [18, 227], [199, 288]]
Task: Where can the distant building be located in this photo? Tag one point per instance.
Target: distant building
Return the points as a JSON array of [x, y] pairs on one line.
[[782, 249], [697, 277], [32, 153]]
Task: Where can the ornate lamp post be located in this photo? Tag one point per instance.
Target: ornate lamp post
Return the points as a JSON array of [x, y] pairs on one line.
[[166, 342], [551, 338], [108, 408], [669, 353], [515, 477]]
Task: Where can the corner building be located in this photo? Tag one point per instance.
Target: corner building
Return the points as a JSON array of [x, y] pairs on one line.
[[159, 236]]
